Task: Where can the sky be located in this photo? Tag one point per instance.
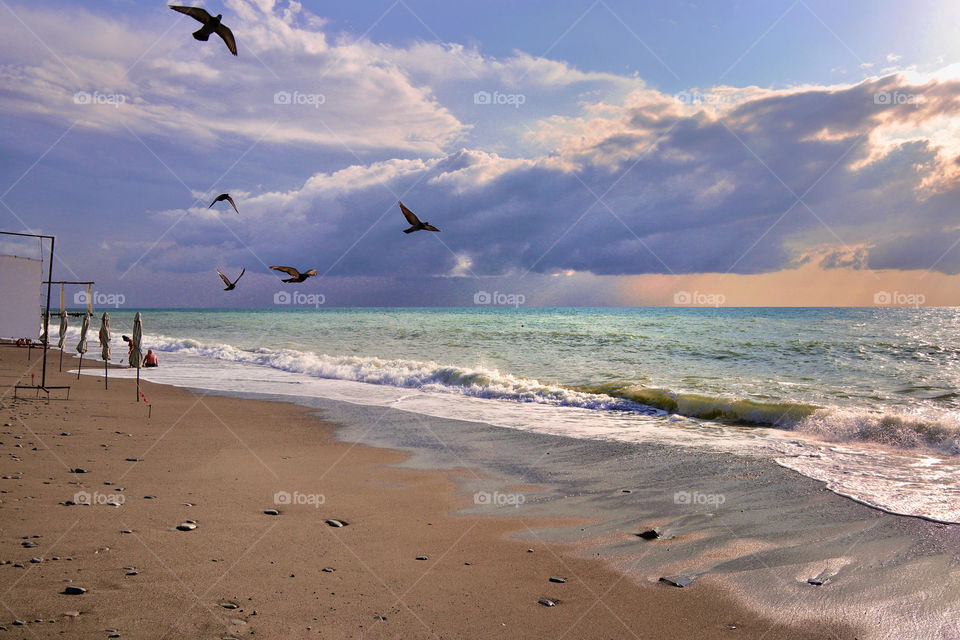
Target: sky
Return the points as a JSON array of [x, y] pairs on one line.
[[590, 153]]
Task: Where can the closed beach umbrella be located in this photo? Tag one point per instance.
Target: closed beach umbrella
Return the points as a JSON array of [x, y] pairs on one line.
[[63, 330], [63, 336], [82, 345], [136, 355], [105, 345]]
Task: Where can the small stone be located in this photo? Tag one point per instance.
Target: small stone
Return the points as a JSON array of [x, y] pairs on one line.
[[131, 573], [229, 605], [547, 603], [149, 497], [74, 590], [677, 580], [379, 617], [186, 526], [421, 557], [328, 569], [78, 470], [271, 512], [649, 534], [529, 550], [237, 621], [815, 582], [28, 544], [72, 614], [133, 460], [626, 491], [18, 623], [36, 560], [557, 580], [336, 523], [126, 531], [64, 433]]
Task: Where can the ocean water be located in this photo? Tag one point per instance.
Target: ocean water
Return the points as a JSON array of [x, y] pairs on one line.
[[866, 400]]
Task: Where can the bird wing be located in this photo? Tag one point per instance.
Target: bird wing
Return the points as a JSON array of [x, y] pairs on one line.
[[227, 36], [409, 215], [225, 279], [232, 203], [430, 227], [215, 201], [288, 270], [198, 14], [242, 271]]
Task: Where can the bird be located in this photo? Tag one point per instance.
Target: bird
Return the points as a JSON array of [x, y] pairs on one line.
[[414, 221], [230, 285], [211, 24], [296, 276], [221, 198]]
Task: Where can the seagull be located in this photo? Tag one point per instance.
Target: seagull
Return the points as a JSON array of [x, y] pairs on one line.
[[415, 221], [211, 24], [221, 198], [230, 285], [296, 275]]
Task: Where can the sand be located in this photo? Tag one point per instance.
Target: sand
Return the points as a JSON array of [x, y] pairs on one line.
[[227, 459]]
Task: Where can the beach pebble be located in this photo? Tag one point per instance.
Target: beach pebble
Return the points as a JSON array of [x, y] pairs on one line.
[[64, 433], [649, 534], [229, 605], [557, 580], [626, 491], [237, 621], [815, 582], [78, 470], [36, 560], [271, 512], [529, 550], [126, 531], [28, 544], [149, 497], [379, 617], [547, 603], [19, 623], [72, 614], [186, 526], [133, 460], [677, 580], [131, 573], [336, 523], [421, 557], [328, 569], [74, 590]]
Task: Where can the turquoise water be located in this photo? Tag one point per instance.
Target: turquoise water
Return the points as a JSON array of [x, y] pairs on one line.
[[898, 361]]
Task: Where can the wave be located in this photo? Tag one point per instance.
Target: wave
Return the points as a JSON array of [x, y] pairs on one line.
[[939, 431]]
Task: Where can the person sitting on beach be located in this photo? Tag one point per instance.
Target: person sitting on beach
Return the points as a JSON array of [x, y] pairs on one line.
[[150, 360]]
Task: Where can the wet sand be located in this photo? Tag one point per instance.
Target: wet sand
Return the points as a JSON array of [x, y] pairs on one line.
[[228, 459]]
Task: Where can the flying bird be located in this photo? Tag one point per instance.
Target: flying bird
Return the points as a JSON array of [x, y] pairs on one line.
[[211, 24], [296, 276], [221, 198], [414, 221], [230, 285]]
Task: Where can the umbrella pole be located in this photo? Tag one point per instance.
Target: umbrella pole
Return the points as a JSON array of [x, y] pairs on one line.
[[61, 360], [80, 367], [138, 384]]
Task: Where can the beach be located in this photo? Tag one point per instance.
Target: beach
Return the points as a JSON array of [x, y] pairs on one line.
[[243, 573]]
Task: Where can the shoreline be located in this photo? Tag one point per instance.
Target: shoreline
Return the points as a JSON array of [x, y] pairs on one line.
[[214, 453]]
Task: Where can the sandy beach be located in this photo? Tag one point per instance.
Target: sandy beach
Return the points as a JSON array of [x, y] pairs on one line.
[[219, 462]]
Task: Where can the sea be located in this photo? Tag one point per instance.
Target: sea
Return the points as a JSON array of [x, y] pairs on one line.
[[866, 400]]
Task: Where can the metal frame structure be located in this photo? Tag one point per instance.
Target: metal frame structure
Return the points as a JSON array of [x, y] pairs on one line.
[[46, 319]]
